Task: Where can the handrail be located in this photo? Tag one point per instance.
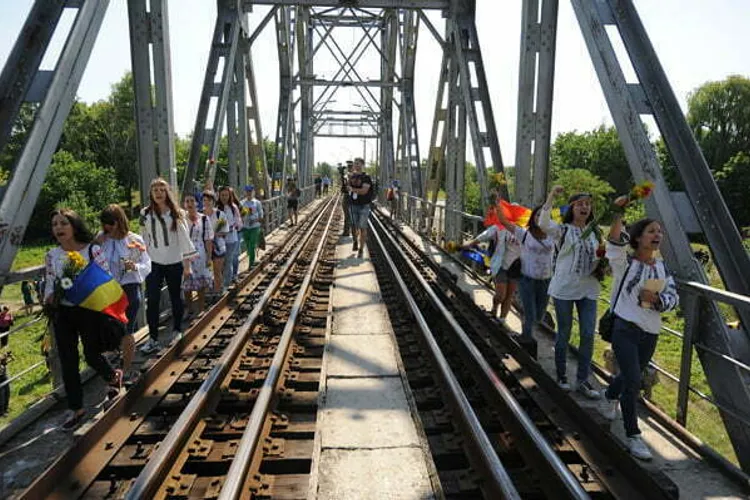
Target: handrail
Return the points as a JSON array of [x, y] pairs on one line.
[[713, 293]]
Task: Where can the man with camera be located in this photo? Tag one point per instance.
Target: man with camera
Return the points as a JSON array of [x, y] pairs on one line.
[[360, 196]]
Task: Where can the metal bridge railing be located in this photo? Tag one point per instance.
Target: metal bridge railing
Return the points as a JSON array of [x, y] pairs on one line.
[[275, 212], [415, 212]]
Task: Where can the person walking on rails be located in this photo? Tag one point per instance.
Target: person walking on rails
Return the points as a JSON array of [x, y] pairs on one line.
[[360, 196], [252, 218]]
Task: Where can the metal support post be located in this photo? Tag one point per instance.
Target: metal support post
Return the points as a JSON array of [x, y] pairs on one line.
[[476, 94], [285, 116], [215, 94], [410, 143], [27, 177], [692, 305], [258, 165], [538, 40], [149, 34], [389, 43], [653, 95], [455, 165], [304, 53], [237, 126], [438, 138]]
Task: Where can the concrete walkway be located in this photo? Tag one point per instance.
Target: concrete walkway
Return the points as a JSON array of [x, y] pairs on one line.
[[368, 443]]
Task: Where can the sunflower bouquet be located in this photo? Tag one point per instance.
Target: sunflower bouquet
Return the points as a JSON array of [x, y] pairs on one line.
[[221, 225], [245, 211], [73, 266]]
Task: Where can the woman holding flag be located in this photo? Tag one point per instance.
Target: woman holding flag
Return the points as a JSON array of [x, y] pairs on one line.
[[574, 284], [70, 317], [129, 264], [505, 266], [536, 264]]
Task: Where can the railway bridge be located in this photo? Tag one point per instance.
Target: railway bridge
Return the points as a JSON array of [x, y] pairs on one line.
[[323, 374]]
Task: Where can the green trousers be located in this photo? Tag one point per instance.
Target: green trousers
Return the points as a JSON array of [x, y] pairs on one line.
[[250, 237]]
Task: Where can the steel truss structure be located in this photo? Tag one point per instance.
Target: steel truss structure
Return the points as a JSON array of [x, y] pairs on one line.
[[388, 31]]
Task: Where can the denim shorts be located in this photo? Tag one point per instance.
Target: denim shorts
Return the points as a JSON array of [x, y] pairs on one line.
[[513, 273], [360, 214]]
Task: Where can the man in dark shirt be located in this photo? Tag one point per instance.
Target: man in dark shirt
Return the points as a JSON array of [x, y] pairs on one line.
[[360, 196]]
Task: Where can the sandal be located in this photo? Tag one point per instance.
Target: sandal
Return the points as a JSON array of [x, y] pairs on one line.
[[74, 420]]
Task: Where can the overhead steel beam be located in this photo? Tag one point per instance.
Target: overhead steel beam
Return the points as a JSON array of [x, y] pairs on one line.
[[154, 120], [362, 4], [535, 85], [215, 94], [729, 385], [26, 180]]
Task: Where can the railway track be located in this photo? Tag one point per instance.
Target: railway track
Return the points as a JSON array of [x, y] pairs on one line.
[[229, 409], [497, 425]]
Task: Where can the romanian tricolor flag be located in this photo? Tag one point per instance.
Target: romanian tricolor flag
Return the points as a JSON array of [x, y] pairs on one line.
[[95, 289], [517, 214]]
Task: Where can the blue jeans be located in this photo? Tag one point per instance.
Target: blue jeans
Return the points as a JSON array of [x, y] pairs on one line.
[[534, 300], [633, 349], [231, 262], [586, 326]]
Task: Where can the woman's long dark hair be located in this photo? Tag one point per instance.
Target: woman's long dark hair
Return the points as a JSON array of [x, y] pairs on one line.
[[536, 231], [173, 208], [568, 216], [81, 233], [114, 214], [232, 198], [636, 230]]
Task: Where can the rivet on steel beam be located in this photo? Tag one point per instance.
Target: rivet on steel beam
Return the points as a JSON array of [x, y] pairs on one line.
[[109, 445]]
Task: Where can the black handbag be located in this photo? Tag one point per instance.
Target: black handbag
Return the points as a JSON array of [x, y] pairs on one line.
[[607, 321]]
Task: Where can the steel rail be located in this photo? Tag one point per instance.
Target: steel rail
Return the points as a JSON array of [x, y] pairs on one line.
[[152, 475], [500, 480], [237, 474], [565, 478]]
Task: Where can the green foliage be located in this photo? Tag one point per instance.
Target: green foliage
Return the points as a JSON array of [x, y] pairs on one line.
[[578, 180], [325, 169], [599, 151], [635, 211], [719, 115], [88, 187], [733, 180]]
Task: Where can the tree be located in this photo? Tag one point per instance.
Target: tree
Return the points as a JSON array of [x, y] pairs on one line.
[[733, 180], [719, 115], [90, 187], [598, 151], [324, 169], [578, 180]]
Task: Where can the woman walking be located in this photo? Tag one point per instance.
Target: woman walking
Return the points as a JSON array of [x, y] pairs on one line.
[[252, 218], [201, 232], [219, 256], [536, 269], [292, 201], [129, 264], [573, 284], [505, 267], [643, 290], [164, 230], [230, 206], [74, 250]]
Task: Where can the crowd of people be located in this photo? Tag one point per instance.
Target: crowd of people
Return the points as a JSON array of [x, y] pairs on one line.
[[564, 260], [192, 252]]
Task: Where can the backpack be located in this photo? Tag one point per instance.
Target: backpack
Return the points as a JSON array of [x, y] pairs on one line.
[[559, 246]]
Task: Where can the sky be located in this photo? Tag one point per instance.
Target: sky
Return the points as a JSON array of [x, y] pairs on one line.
[[697, 41]]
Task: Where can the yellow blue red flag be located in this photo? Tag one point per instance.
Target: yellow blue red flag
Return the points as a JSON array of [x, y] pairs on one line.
[[95, 289]]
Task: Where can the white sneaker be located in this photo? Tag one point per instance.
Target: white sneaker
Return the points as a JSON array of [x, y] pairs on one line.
[[610, 409], [587, 390], [150, 346], [638, 448], [563, 383]]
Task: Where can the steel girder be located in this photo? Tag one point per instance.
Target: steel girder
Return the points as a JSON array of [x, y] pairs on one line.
[[389, 43], [305, 56], [285, 118], [237, 138], [653, 95], [21, 71], [538, 41], [361, 4], [149, 34], [481, 121], [22, 191], [439, 137], [215, 96], [455, 154], [408, 154], [259, 172]]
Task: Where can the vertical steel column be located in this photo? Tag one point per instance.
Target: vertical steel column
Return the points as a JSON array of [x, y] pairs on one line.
[[215, 94], [259, 172], [389, 38], [438, 137], [538, 40], [285, 45], [27, 177], [304, 54], [653, 95], [237, 126], [149, 34], [476, 95], [410, 141], [455, 165]]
